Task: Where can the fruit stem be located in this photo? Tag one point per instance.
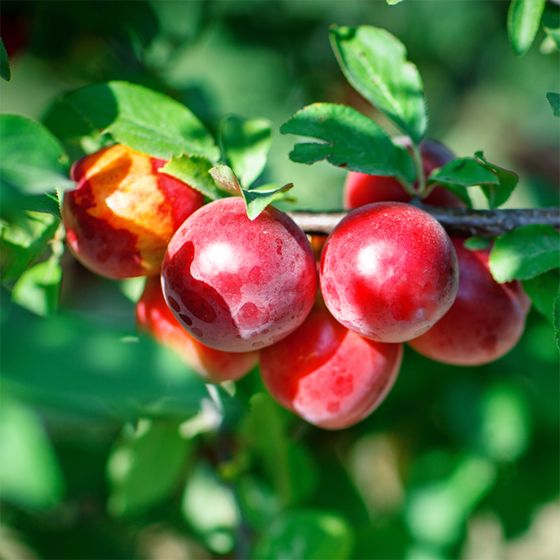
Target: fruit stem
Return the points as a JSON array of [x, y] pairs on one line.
[[417, 156]]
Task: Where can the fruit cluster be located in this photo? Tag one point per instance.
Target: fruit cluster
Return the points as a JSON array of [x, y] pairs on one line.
[[234, 291]]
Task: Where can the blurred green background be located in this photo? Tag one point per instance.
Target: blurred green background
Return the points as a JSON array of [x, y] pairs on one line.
[[110, 449]]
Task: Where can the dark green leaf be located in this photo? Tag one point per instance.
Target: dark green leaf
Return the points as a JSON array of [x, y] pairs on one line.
[[38, 288], [374, 62], [209, 507], [351, 140], [477, 243], [194, 171], [496, 183], [543, 290], [507, 181], [29, 472], [22, 242], [554, 100], [306, 535], [525, 253], [246, 143], [31, 158], [80, 366], [556, 319], [4, 63], [145, 465], [143, 119], [524, 17]]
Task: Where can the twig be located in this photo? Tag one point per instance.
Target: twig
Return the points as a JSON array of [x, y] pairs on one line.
[[457, 221]]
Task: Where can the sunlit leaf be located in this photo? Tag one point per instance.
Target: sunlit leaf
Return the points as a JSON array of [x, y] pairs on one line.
[[375, 64], [524, 17]]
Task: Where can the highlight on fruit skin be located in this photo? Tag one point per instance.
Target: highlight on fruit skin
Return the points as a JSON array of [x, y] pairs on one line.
[[154, 317], [124, 211], [328, 375], [486, 320], [237, 284], [361, 188], [388, 271]]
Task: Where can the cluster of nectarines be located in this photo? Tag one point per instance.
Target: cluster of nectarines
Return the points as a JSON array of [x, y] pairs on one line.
[[225, 291]]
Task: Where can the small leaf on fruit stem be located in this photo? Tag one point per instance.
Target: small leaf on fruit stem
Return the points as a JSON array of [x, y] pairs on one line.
[[4, 63], [507, 181], [477, 243], [133, 115], [306, 535], [525, 253], [225, 178], [543, 290], [375, 64], [32, 161], [246, 143], [524, 17], [193, 170], [496, 183], [351, 140], [154, 446], [258, 198], [38, 288], [554, 100]]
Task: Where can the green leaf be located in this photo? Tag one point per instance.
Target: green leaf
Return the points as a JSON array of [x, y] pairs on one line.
[[306, 535], [477, 243], [258, 198], [29, 472], [81, 366], [374, 62], [22, 242], [145, 466], [393, 2], [194, 171], [4, 63], [496, 183], [38, 288], [133, 115], [209, 507], [543, 290], [524, 17], [246, 143], [351, 140], [507, 181], [525, 253], [32, 161], [226, 179], [556, 319], [554, 100]]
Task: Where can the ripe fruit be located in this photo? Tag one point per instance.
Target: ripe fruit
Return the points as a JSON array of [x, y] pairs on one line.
[[361, 188], [123, 212], [154, 317], [388, 271], [486, 320], [328, 375], [235, 284]]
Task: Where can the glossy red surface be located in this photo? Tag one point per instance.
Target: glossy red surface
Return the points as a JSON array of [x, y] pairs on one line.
[[485, 321], [388, 271], [154, 317], [361, 189], [328, 375], [236, 284]]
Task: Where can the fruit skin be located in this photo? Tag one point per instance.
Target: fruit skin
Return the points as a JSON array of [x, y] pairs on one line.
[[123, 212], [389, 271], [235, 284], [327, 374], [154, 317], [485, 321], [361, 188]]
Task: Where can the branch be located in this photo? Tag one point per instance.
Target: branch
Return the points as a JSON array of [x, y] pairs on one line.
[[457, 221]]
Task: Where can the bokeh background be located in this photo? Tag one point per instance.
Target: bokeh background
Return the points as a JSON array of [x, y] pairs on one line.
[[109, 450]]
